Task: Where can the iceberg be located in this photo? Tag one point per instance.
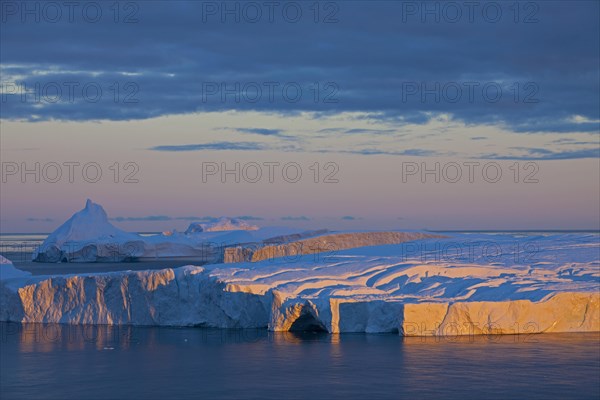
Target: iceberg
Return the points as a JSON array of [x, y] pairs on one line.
[[316, 242], [414, 288], [88, 236], [223, 224]]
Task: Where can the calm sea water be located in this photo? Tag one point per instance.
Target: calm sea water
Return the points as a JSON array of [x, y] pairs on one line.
[[77, 362]]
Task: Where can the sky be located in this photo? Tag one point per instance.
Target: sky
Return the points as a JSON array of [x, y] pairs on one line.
[[342, 115]]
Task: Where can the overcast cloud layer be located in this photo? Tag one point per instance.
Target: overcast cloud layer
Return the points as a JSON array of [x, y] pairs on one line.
[[376, 57]]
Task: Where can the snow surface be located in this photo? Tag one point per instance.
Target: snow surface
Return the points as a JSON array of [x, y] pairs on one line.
[[464, 284], [8, 271]]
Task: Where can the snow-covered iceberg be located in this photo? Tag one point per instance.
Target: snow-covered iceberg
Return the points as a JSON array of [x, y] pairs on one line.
[[435, 286], [88, 236]]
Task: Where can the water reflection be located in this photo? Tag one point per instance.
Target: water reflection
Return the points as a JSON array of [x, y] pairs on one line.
[[83, 362], [37, 337]]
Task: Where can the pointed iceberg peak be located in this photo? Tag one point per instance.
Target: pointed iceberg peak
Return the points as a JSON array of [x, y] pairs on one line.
[[93, 211]]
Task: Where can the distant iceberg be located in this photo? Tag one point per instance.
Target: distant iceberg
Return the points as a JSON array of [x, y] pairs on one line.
[[223, 224], [88, 236]]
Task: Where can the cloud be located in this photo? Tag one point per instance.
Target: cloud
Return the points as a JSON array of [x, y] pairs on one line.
[[579, 119], [250, 218], [260, 131], [253, 146], [176, 60], [40, 220], [478, 138], [201, 219], [369, 131], [292, 218], [350, 218], [530, 153], [145, 218], [573, 142], [540, 154], [278, 133], [407, 152], [211, 146], [358, 131], [161, 218]]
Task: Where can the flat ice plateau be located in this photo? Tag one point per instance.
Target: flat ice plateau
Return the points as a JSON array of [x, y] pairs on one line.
[[458, 285]]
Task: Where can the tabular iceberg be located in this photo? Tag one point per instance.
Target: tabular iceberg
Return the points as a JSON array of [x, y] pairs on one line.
[[413, 288]]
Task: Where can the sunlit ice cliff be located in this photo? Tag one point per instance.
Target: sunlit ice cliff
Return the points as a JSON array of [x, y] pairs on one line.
[[414, 288]]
